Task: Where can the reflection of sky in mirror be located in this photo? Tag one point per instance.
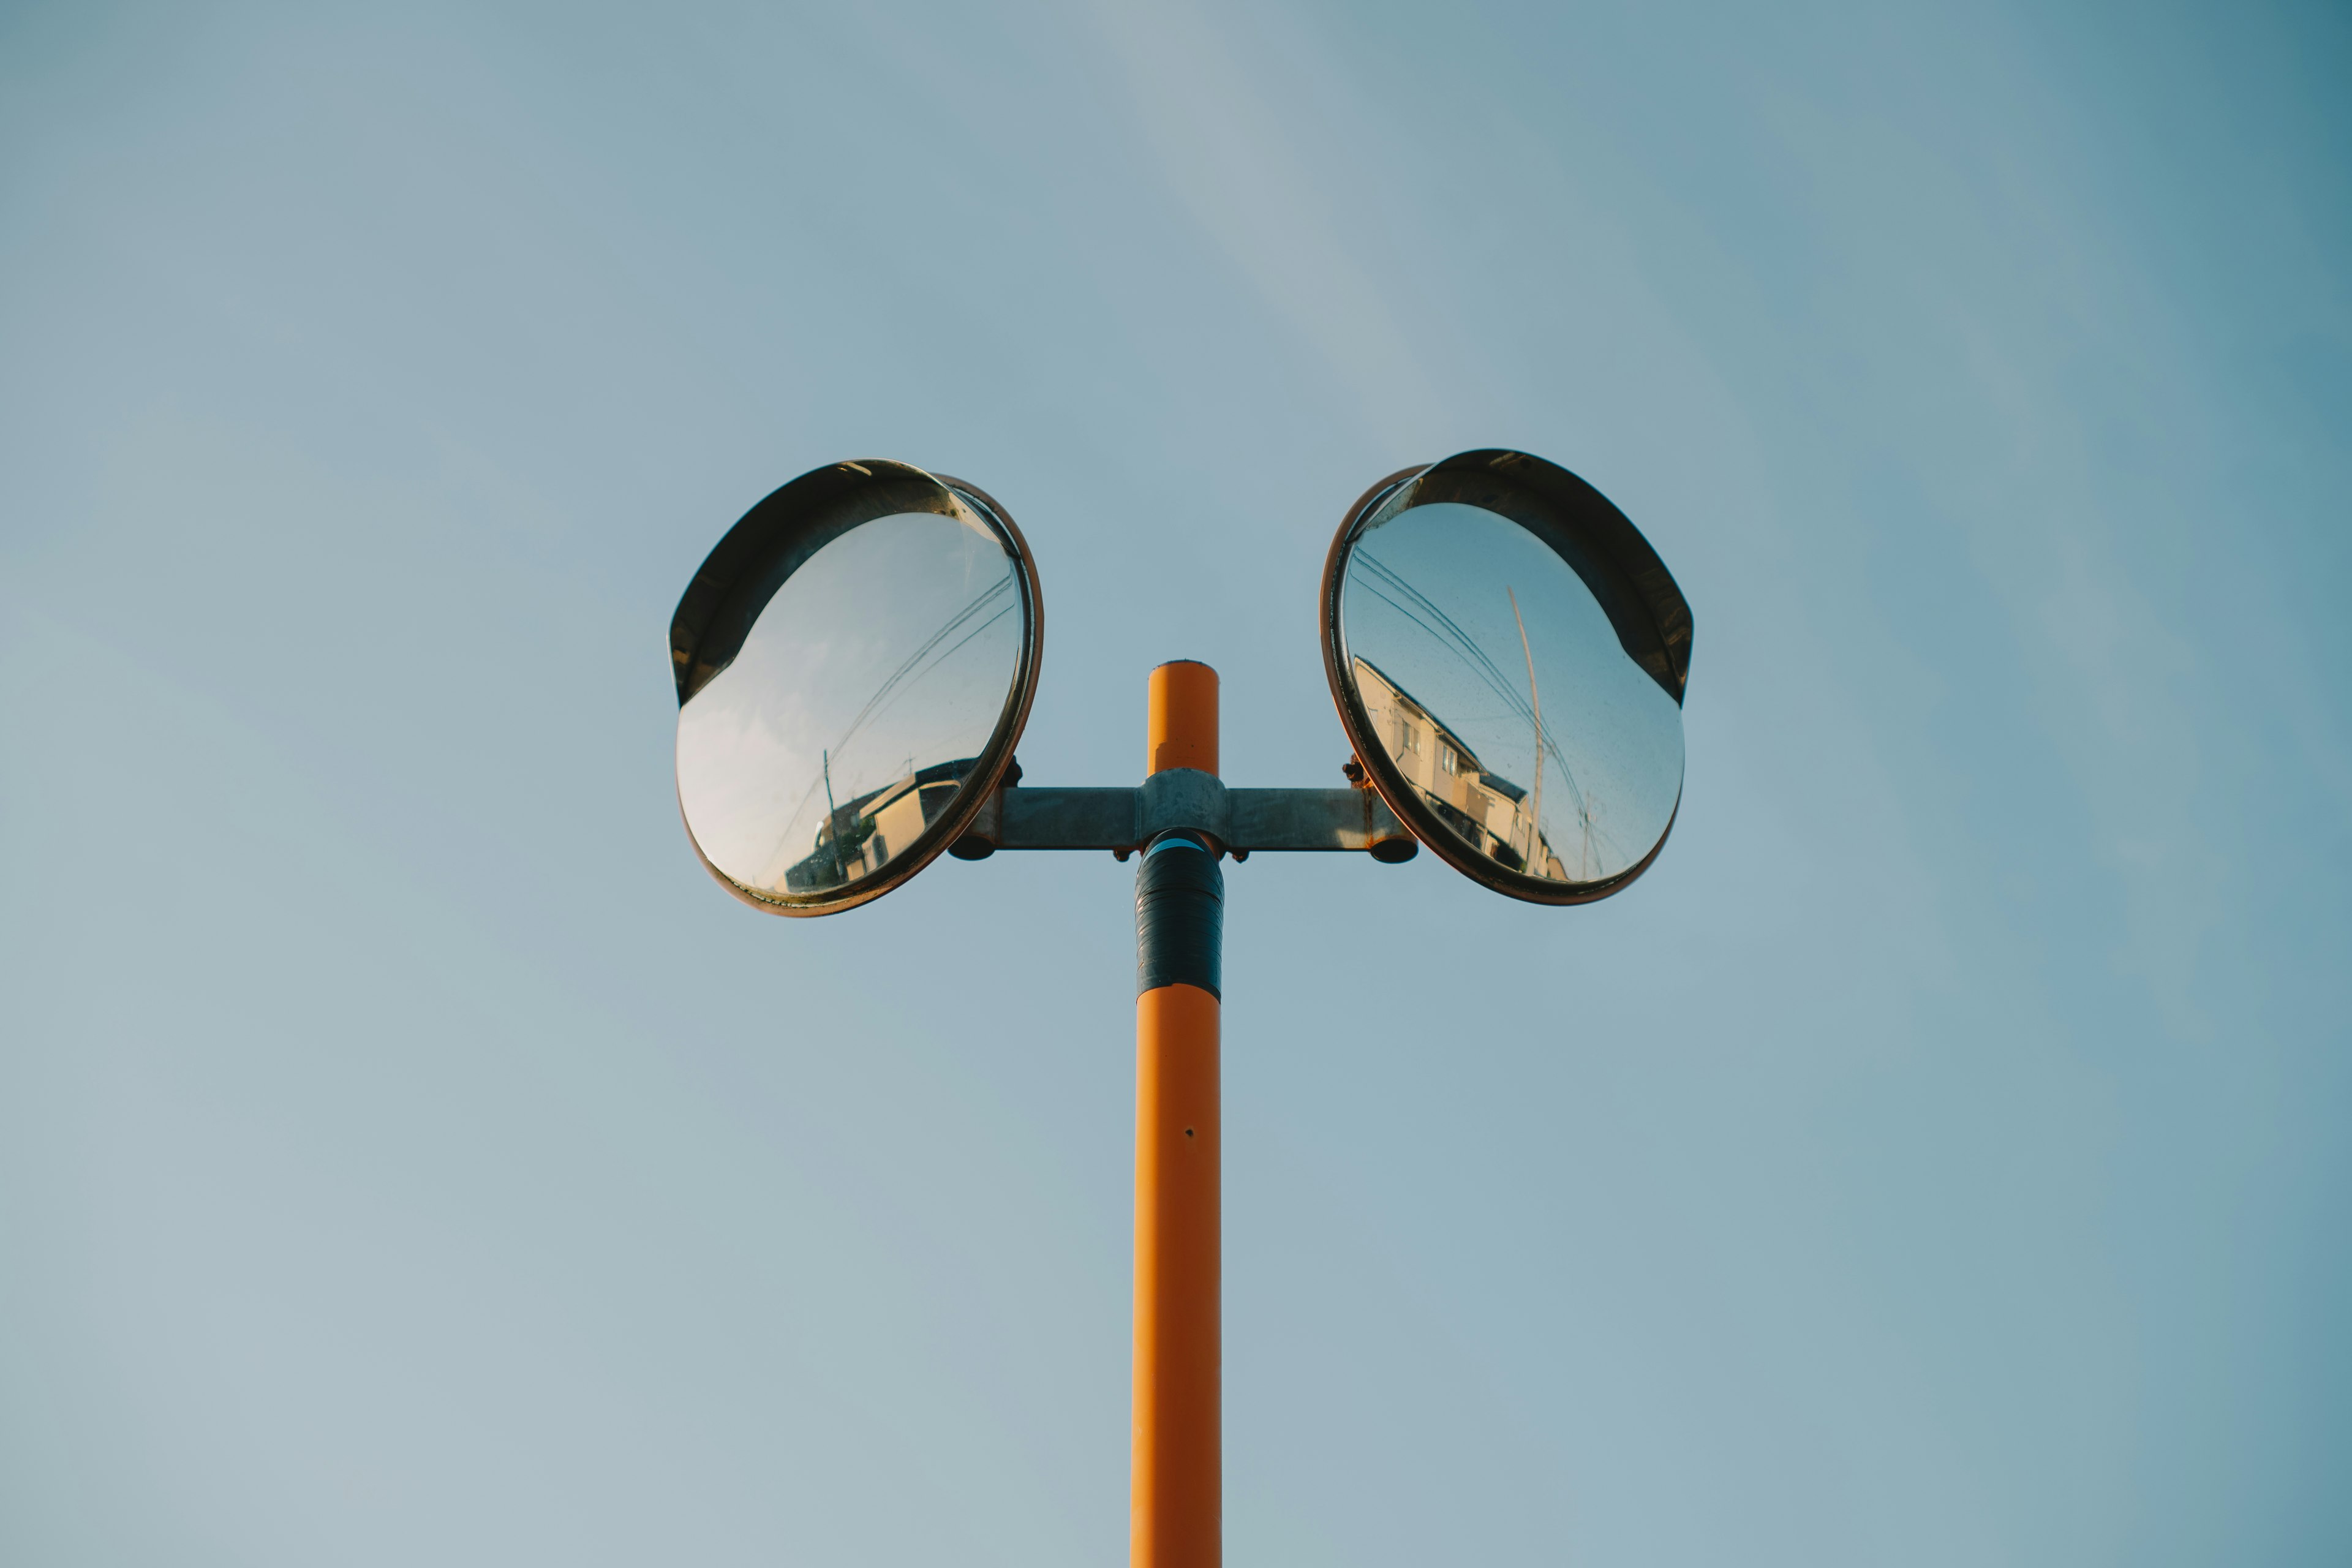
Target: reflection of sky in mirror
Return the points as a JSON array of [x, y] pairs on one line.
[[890, 650], [1429, 603]]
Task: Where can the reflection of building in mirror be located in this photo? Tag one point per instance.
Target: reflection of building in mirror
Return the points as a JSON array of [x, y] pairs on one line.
[[860, 837], [1494, 815]]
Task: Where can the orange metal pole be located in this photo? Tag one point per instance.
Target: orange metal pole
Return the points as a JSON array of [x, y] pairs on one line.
[[1183, 718], [1176, 1508]]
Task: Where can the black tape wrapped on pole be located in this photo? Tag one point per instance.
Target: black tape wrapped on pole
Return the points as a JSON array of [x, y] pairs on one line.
[[1180, 916]]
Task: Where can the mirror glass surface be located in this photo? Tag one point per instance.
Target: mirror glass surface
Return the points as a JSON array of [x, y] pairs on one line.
[[1497, 685], [864, 692]]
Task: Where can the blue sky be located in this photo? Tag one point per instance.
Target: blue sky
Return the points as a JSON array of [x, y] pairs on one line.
[[407, 1154]]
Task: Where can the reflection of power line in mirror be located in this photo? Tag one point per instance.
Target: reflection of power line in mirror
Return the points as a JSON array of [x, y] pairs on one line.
[[901, 681], [1377, 579], [891, 690]]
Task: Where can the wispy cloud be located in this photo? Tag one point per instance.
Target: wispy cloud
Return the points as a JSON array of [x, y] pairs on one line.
[[1226, 145]]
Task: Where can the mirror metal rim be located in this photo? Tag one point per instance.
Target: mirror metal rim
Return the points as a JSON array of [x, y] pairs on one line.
[[1600, 523], [766, 535]]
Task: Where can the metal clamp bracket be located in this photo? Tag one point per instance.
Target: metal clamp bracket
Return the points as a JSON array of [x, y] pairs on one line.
[[1239, 820]]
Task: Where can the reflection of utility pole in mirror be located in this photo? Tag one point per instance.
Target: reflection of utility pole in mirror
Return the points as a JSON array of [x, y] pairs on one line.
[[1535, 709], [832, 812]]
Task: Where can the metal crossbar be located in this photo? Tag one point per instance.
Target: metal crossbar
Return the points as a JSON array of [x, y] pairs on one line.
[[1240, 821]]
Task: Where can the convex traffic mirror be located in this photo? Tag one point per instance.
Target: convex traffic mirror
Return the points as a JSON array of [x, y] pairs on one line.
[[854, 663], [1507, 655]]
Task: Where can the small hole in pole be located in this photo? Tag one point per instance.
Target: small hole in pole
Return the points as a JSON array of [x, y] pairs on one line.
[[1187, 1132]]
